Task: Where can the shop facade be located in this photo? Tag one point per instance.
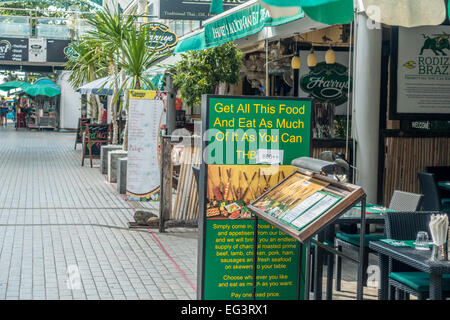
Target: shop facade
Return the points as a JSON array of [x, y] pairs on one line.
[[359, 122]]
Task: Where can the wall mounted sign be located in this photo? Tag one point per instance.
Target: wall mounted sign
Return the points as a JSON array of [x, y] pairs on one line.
[[192, 9], [327, 82], [12, 49], [34, 50], [70, 52], [420, 73], [145, 118], [162, 39], [37, 50], [251, 143], [56, 50]]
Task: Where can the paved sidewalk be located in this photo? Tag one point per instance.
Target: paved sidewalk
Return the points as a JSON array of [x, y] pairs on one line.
[[64, 234]]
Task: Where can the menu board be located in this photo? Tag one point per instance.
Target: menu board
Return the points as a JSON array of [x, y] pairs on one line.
[[95, 136], [12, 49], [145, 118], [251, 144], [420, 73], [297, 201], [82, 122], [37, 50], [305, 202]]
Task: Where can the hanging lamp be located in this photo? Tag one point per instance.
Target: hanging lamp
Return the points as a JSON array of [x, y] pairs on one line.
[[330, 56], [312, 59], [295, 62]]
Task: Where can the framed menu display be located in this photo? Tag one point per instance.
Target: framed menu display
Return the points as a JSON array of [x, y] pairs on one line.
[[305, 202], [145, 119]]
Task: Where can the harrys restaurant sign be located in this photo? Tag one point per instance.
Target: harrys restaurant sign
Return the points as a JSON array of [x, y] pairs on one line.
[[327, 82], [162, 39]]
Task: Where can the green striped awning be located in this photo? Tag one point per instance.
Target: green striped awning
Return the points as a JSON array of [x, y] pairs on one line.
[[324, 11], [193, 43]]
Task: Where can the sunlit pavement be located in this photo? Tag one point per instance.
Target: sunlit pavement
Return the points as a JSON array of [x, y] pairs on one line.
[[64, 232]]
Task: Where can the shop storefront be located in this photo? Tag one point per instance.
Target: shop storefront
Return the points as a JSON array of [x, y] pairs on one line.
[[377, 105]]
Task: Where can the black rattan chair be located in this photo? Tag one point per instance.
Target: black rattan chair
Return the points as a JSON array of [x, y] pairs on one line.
[[400, 201], [441, 173], [432, 200], [405, 279]]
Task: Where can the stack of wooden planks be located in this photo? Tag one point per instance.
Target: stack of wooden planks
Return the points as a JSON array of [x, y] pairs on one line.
[[186, 201]]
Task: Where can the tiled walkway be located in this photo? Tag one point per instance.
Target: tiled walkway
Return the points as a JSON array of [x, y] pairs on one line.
[[64, 234]]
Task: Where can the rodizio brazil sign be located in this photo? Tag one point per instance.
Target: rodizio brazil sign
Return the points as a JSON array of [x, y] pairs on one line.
[[420, 73], [249, 143]]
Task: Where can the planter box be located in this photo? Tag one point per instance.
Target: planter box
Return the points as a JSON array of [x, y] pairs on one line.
[[104, 156], [113, 156], [122, 175]]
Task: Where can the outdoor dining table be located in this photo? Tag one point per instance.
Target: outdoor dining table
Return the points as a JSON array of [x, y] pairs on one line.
[[351, 217], [415, 258]]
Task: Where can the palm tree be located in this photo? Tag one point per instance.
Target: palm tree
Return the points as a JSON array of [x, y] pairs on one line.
[[87, 64], [109, 32], [137, 57]]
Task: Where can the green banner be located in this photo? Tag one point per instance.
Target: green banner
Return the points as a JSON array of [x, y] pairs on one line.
[[242, 23], [251, 143]]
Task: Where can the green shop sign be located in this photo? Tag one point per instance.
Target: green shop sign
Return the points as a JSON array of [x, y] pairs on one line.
[[162, 39], [70, 51], [242, 23], [327, 82], [250, 144]]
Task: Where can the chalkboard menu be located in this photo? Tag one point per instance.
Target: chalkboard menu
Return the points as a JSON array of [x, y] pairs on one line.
[[82, 122], [12, 49], [95, 136]]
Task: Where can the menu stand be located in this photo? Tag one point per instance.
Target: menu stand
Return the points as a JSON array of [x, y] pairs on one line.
[[351, 196]]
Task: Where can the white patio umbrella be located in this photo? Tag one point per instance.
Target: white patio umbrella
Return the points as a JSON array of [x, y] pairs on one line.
[[102, 86], [406, 13]]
